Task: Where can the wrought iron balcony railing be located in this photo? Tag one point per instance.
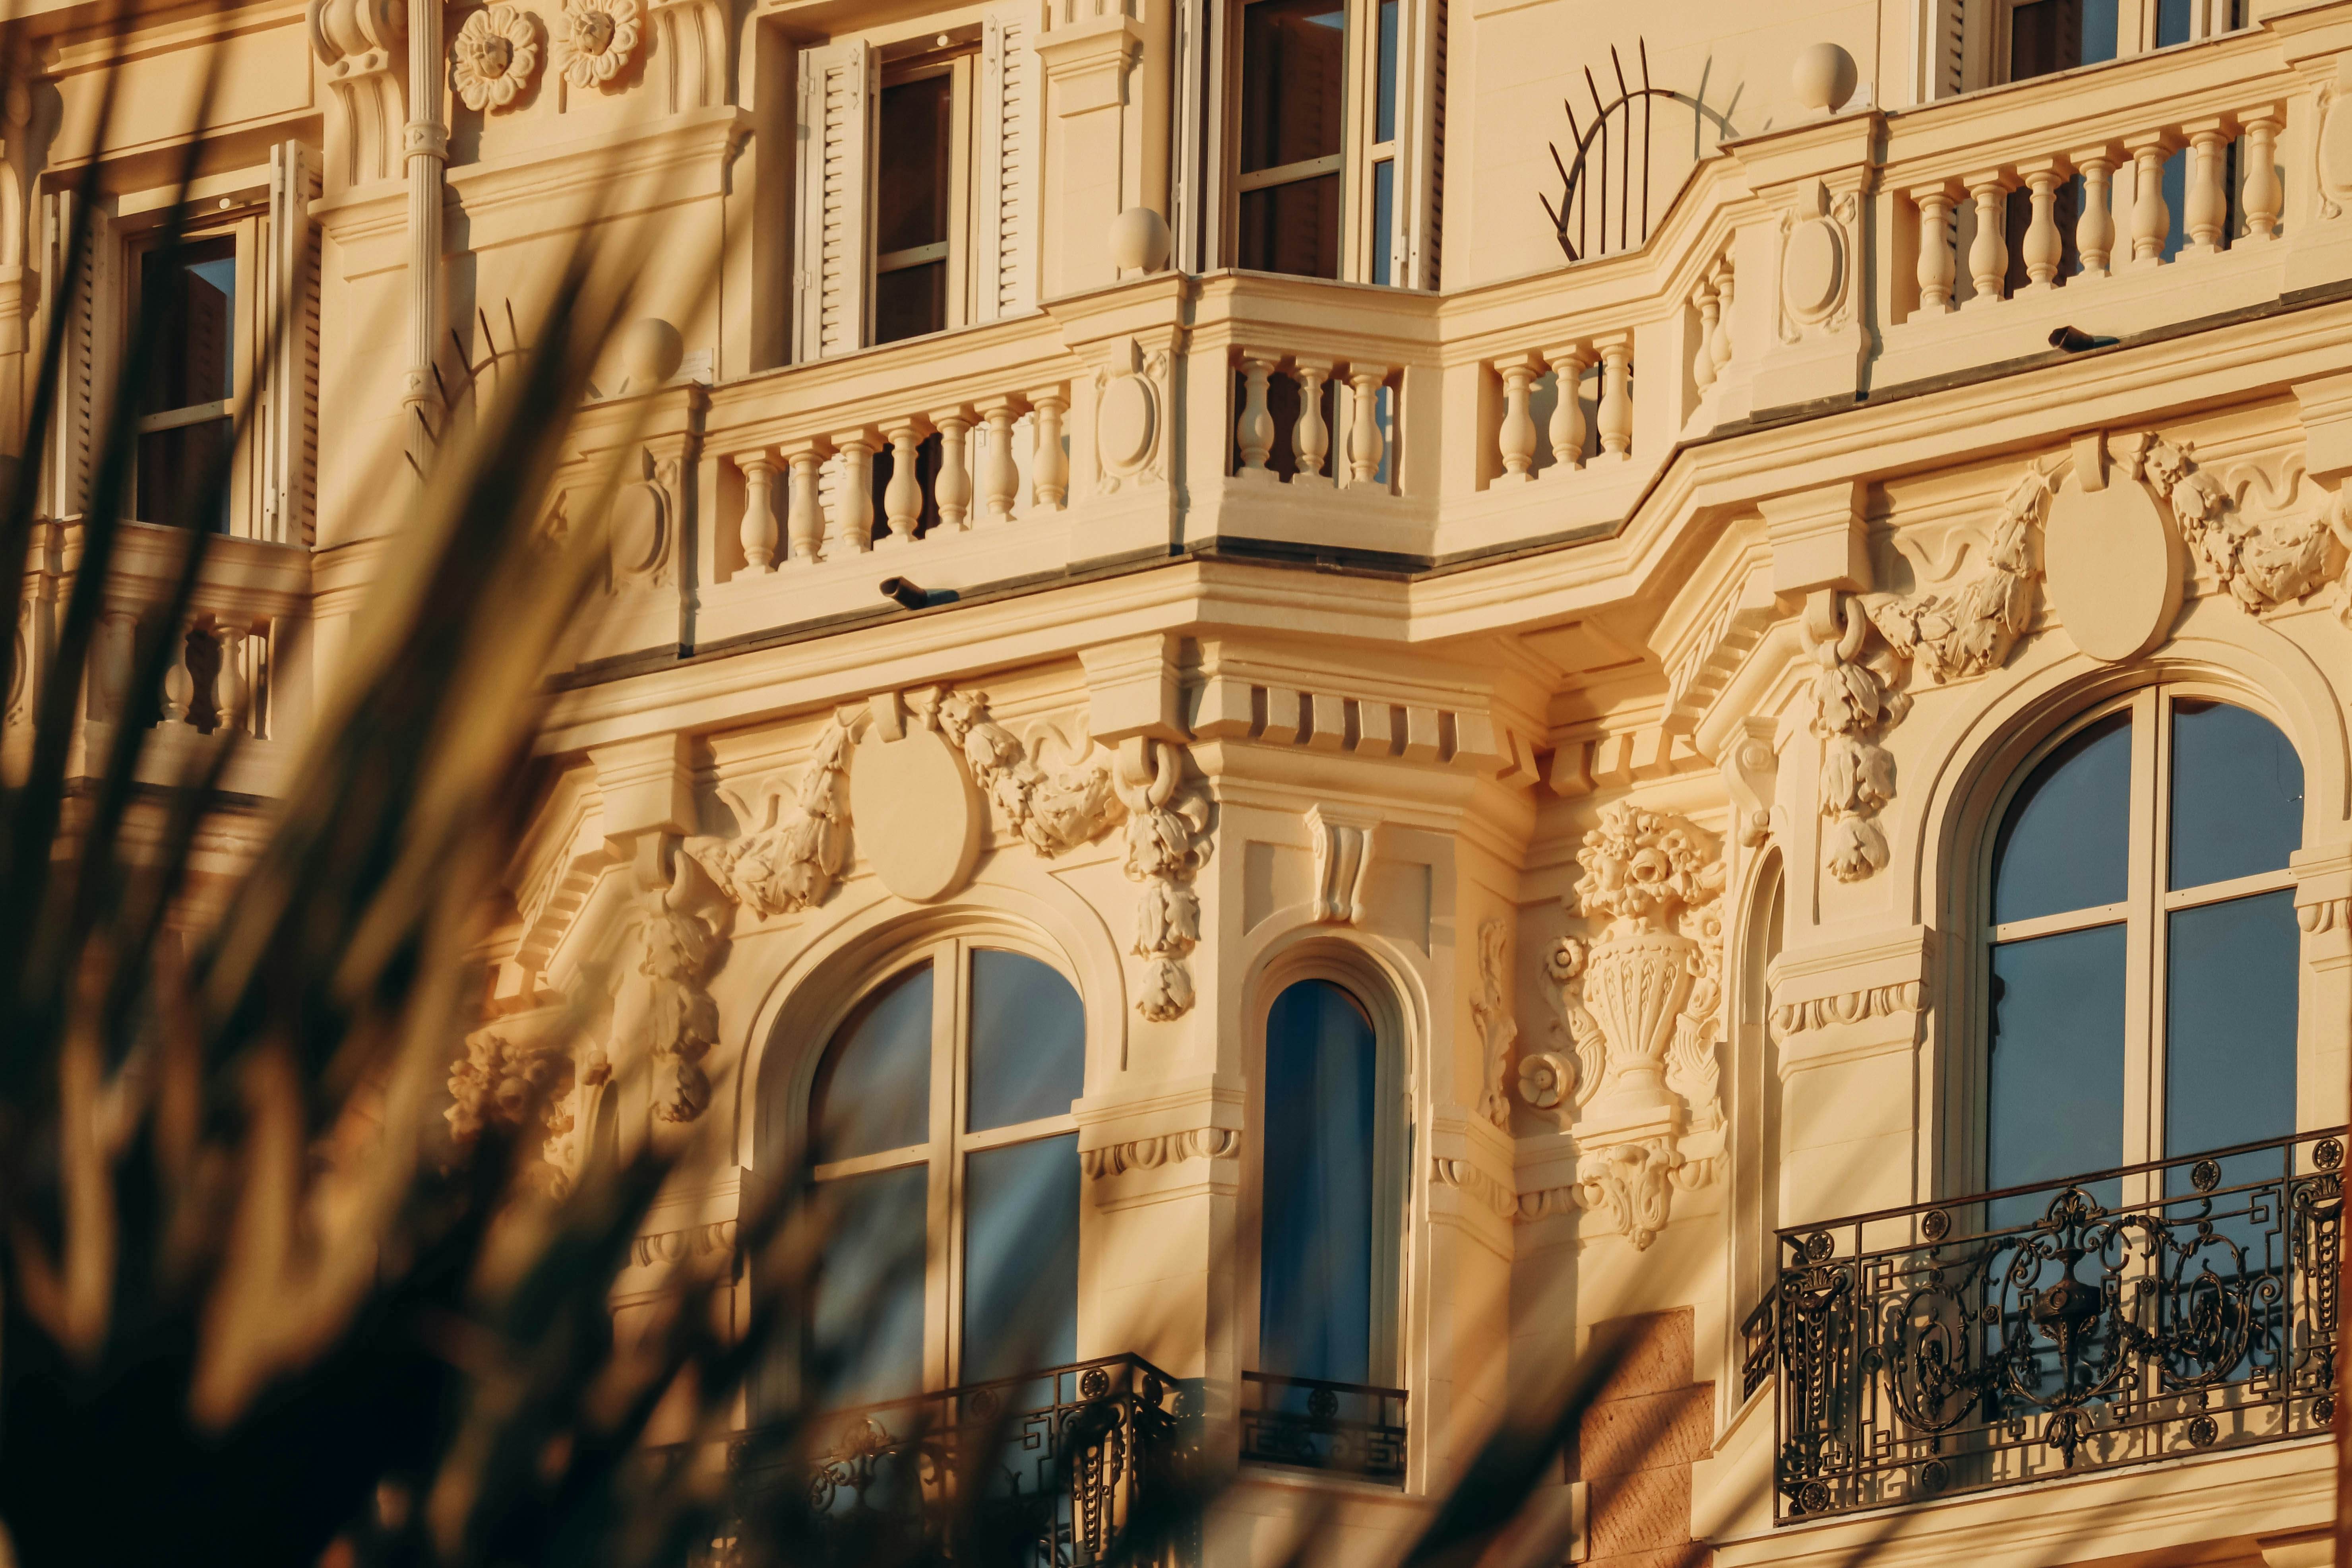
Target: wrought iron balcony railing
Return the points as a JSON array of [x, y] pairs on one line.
[[1045, 1470], [2123, 1317], [1351, 1428]]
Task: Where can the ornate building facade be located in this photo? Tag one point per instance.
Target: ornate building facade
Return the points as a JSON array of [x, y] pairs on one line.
[[1314, 693]]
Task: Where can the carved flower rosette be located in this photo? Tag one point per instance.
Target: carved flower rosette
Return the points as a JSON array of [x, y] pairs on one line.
[[594, 39], [494, 57]]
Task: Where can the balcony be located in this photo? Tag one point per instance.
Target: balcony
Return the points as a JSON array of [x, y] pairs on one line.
[[1308, 1423], [1063, 1461], [2152, 1313]]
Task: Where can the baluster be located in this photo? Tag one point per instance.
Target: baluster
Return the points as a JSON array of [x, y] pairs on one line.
[[1710, 316], [953, 487], [1616, 420], [1720, 344], [999, 477], [1253, 430], [806, 518], [179, 682], [1311, 440], [1517, 435], [1365, 445], [1049, 476], [1567, 367], [2044, 248], [2151, 219], [1988, 254], [853, 503], [759, 530], [231, 691], [2262, 195], [902, 498], [2094, 230], [2206, 218], [1937, 266]]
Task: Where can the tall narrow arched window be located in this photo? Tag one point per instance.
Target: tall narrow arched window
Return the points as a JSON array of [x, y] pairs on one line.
[[1330, 1171], [2142, 942], [946, 1157]]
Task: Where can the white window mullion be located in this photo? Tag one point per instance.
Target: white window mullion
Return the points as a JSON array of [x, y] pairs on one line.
[[2144, 942]]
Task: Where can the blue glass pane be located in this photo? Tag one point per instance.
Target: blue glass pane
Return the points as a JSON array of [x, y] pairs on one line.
[[2054, 1095], [874, 1090], [1028, 1041], [2176, 203], [1383, 221], [1385, 97], [1315, 1307], [866, 1324], [1020, 1257], [2229, 1023], [2237, 794], [2066, 840], [2171, 22], [2098, 34]]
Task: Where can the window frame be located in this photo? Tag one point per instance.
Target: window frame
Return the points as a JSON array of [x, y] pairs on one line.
[[1394, 1138], [945, 1150], [1987, 24], [248, 223], [2144, 912], [1356, 161], [957, 61]]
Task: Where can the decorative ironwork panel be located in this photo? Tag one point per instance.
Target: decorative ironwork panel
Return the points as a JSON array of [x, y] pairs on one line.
[[2130, 1316], [1045, 1470], [1349, 1427]]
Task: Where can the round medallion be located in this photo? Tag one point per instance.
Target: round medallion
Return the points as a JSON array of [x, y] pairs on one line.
[[1813, 267], [2114, 570], [1123, 422], [915, 814]]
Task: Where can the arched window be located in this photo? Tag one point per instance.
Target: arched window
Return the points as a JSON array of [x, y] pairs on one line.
[[1331, 1180], [946, 1155], [2142, 942]]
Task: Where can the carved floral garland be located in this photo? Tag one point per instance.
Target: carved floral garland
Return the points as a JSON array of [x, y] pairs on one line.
[[792, 861], [1054, 812], [673, 957], [493, 56], [1491, 1013], [507, 1078], [2264, 565], [1166, 844]]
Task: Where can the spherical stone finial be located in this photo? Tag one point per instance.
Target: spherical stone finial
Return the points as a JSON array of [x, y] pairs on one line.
[[1139, 240], [1822, 78], [652, 352]]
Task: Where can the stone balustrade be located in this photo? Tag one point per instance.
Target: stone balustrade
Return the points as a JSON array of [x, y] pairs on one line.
[[1339, 410]]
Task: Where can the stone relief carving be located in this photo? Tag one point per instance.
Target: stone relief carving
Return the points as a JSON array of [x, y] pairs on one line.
[[1053, 811], [1343, 862], [1789, 1019], [1168, 1149], [1490, 1012], [790, 860], [2264, 563], [1565, 967], [1643, 1002], [672, 1246], [679, 1020], [1853, 707], [595, 40], [494, 57], [512, 1076], [2327, 915], [1166, 844], [1971, 630]]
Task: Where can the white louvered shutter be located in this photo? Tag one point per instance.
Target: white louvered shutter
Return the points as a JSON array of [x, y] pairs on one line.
[[1005, 237], [832, 257], [290, 407], [83, 367]]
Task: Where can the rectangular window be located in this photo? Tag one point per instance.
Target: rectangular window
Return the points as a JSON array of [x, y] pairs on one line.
[[1294, 100], [914, 202], [184, 476]]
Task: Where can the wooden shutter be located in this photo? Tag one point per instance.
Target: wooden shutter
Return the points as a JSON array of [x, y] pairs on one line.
[[1004, 239], [1421, 135], [833, 258], [80, 383], [290, 385]]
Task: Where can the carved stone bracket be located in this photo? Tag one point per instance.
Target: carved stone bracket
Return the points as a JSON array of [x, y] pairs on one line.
[[1166, 844], [1167, 1149], [357, 41], [1343, 843]]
